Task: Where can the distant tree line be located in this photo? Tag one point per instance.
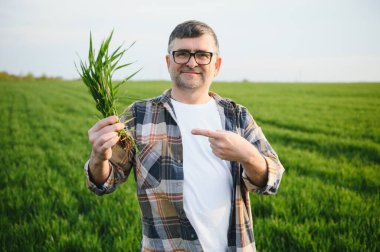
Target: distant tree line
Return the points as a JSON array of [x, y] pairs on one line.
[[29, 77]]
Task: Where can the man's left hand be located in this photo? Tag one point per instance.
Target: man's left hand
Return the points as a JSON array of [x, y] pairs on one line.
[[228, 145]]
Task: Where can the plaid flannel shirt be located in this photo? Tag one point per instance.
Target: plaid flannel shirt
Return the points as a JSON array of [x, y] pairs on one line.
[[158, 171]]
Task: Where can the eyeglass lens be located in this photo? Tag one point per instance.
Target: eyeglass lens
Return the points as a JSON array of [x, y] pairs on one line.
[[182, 57]]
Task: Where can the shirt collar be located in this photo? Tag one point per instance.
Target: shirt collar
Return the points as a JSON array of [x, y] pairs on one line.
[[225, 103]]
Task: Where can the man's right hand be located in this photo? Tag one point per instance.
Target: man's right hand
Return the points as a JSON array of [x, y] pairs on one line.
[[103, 136]]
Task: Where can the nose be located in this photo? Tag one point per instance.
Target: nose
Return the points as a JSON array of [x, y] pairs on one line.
[[192, 63]]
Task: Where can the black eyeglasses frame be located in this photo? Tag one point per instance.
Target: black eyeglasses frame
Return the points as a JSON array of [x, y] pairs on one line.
[[192, 54]]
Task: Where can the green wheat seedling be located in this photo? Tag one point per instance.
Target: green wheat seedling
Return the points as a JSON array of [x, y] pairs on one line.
[[97, 76]]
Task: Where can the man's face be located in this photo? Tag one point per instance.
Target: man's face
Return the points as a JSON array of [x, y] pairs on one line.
[[191, 75]]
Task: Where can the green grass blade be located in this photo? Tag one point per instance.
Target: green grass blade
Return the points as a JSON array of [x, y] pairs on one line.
[[97, 75]]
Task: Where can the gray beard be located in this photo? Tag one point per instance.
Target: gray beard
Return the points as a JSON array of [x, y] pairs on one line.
[[182, 84]]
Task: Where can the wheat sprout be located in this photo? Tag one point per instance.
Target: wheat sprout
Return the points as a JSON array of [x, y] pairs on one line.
[[97, 76]]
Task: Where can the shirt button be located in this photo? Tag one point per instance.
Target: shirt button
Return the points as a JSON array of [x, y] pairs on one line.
[[179, 161]]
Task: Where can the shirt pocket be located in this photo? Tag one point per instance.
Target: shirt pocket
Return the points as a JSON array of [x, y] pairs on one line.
[[148, 165]]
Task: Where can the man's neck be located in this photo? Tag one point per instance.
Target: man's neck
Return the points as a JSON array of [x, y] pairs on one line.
[[190, 96]]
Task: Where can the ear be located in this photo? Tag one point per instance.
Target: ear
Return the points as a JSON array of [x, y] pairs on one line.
[[167, 60], [218, 63]]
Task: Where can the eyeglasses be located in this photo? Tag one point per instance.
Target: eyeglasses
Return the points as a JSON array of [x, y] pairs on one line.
[[182, 57]]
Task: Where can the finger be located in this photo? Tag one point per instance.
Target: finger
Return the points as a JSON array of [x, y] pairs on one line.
[[111, 128], [213, 141], [110, 143], [94, 136], [213, 145], [99, 142], [220, 155], [205, 132], [216, 153], [104, 122], [217, 146]]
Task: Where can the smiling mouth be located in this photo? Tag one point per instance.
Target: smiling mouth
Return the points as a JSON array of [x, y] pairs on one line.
[[185, 72]]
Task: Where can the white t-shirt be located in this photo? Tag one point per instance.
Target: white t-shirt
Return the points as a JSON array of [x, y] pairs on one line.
[[207, 178]]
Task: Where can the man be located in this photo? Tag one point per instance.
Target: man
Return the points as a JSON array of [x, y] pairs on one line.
[[197, 155]]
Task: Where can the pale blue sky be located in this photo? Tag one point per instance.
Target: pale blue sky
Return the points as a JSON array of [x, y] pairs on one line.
[[260, 40]]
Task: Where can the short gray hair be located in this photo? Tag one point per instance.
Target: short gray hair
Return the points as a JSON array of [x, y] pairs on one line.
[[192, 29]]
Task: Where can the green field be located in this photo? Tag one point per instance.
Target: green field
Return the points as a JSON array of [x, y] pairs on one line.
[[326, 135]]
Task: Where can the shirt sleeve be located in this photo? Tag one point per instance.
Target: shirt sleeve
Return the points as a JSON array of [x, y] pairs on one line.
[[253, 133], [120, 163], [107, 187]]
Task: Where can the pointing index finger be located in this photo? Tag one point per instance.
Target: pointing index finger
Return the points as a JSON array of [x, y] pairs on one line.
[[205, 132]]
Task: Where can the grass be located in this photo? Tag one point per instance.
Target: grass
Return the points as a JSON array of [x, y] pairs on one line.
[[97, 76], [327, 137]]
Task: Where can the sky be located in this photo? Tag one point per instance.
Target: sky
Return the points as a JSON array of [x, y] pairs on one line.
[[260, 40]]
